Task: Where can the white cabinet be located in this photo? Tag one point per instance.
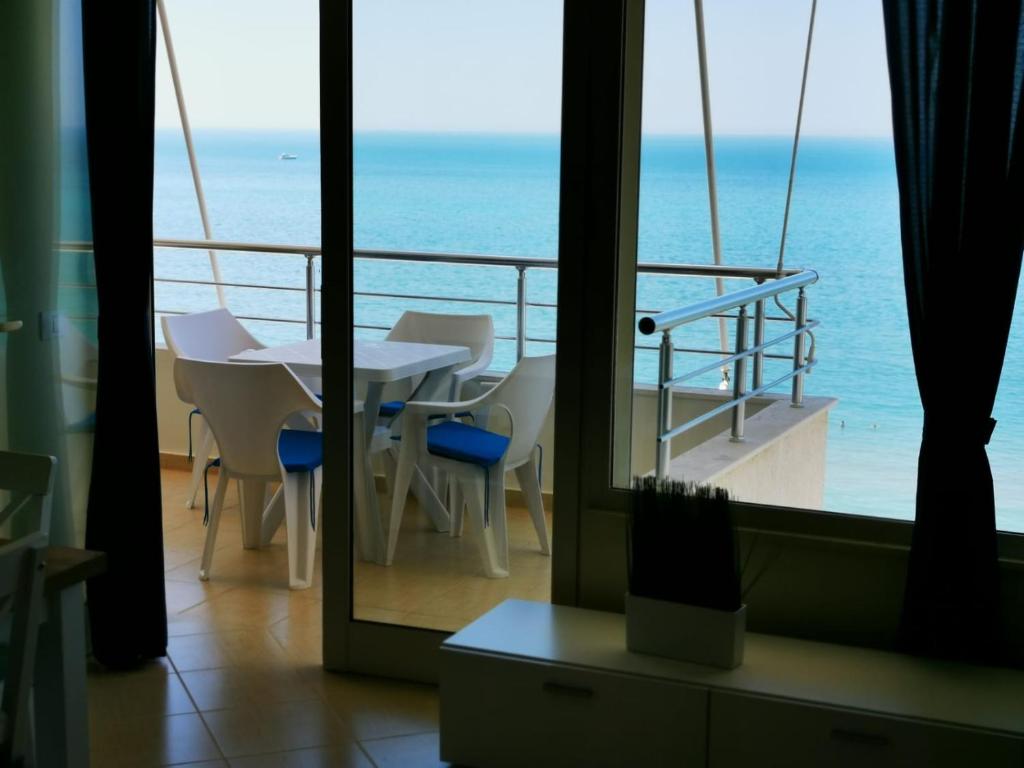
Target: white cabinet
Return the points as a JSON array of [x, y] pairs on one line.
[[531, 684], [536, 714], [751, 730]]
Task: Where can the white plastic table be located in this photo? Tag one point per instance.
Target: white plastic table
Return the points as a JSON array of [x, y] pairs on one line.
[[376, 363]]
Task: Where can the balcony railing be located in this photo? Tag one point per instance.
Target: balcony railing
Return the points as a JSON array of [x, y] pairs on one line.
[[666, 322], [521, 302]]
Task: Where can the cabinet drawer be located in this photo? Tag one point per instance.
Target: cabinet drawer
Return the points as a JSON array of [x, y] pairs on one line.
[[497, 711], [748, 730]]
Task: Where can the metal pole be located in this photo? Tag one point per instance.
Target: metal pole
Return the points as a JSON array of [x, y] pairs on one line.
[[798, 350], [796, 136], [709, 156], [310, 297], [664, 455], [186, 130], [759, 315], [521, 313], [739, 412]]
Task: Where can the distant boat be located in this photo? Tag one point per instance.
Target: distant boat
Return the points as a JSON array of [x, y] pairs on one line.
[[288, 156]]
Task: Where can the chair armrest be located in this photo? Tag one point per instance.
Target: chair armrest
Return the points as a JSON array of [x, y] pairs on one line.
[[470, 371]]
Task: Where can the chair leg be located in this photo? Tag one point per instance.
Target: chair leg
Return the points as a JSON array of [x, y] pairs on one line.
[[273, 516], [252, 501], [301, 533], [205, 444], [530, 486], [429, 501], [490, 553], [212, 524], [403, 478], [457, 507], [497, 513]]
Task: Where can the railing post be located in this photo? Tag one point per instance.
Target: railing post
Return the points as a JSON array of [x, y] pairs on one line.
[[521, 313], [739, 375], [759, 315], [664, 445], [798, 350], [310, 297]]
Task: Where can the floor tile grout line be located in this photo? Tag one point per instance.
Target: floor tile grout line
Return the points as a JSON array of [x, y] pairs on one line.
[[195, 706], [399, 735], [199, 712], [366, 753]]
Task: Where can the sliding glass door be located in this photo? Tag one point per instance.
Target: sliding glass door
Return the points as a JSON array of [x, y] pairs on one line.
[[441, 165]]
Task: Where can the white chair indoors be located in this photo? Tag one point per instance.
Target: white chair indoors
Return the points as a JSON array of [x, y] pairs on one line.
[[478, 458], [29, 480], [473, 331], [213, 335], [246, 406]]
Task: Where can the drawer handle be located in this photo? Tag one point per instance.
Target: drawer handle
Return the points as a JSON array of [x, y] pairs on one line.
[[575, 691], [860, 737]]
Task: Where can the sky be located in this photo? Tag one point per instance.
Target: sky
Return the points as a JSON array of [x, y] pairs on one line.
[[495, 66]]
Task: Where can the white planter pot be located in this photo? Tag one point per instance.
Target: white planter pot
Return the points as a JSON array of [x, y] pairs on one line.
[[685, 632]]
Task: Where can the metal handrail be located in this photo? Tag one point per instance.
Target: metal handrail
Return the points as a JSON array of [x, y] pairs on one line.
[[654, 268], [669, 319], [521, 263], [757, 295]]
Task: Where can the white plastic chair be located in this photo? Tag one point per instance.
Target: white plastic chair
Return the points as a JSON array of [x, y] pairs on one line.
[[479, 458], [246, 406], [213, 335], [473, 331], [29, 480]]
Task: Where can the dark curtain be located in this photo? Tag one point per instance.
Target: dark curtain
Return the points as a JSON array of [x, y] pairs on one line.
[[955, 73], [126, 605]]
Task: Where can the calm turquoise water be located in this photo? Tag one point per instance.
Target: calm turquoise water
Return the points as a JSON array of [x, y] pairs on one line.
[[499, 195]]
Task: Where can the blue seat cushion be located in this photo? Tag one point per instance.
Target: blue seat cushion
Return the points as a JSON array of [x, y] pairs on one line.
[[462, 442], [391, 408], [300, 450]]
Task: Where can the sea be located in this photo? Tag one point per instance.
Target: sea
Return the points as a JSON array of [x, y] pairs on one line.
[[498, 195]]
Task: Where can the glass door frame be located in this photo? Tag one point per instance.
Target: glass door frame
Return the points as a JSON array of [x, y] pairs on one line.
[[589, 235]]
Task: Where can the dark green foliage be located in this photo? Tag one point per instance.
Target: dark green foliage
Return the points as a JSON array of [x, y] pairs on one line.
[[681, 545]]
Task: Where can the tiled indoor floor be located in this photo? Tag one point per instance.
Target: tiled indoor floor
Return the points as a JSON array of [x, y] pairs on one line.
[[437, 581], [243, 684]]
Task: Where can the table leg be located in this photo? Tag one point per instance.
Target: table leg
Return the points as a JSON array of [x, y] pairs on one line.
[[61, 708], [371, 407], [436, 385], [368, 518]]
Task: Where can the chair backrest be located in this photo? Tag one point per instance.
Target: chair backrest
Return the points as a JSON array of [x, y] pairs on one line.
[[214, 335], [245, 405], [21, 601], [473, 331], [527, 392], [29, 480]]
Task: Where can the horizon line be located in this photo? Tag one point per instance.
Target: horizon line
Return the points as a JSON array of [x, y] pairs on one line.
[[525, 134]]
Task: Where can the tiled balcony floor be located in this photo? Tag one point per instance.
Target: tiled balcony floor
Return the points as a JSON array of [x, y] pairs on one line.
[[243, 683]]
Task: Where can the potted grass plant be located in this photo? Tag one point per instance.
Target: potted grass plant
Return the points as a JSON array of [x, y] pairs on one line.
[[684, 598]]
